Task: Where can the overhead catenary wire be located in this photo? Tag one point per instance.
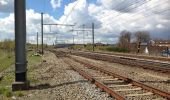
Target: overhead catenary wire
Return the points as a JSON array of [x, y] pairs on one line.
[[127, 9], [140, 10], [147, 16], [72, 9], [144, 17]]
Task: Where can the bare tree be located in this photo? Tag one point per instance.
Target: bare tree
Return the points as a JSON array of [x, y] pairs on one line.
[[8, 45], [124, 39], [141, 37]]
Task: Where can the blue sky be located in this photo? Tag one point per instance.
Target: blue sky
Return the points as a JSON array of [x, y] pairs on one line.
[[45, 6]]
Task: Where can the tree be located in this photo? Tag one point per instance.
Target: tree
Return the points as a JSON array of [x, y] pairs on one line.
[[8, 45], [124, 39], [142, 36]]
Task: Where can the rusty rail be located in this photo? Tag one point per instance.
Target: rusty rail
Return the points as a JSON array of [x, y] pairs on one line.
[[132, 55], [156, 66], [109, 90], [98, 84], [135, 83]]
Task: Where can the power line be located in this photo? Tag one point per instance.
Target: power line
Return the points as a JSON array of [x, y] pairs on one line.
[[147, 9], [126, 8], [147, 16], [71, 10], [143, 16]]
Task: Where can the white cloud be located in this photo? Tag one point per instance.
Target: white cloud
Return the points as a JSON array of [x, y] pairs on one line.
[[114, 16], [55, 3], [108, 16], [33, 25], [3, 2], [6, 6], [160, 26]]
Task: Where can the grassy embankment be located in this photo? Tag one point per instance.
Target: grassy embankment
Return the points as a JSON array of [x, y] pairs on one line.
[[5, 83], [101, 48], [6, 60]]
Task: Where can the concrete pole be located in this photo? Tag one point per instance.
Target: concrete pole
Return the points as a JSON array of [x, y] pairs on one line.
[[73, 39], [139, 44], [83, 34], [93, 35], [42, 44], [21, 82], [37, 41]]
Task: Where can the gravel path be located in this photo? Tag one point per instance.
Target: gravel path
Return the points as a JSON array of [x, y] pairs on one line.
[[155, 79], [58, 82]]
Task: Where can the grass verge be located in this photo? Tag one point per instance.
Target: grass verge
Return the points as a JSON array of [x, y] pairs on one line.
[[6, 60], [5, 83]]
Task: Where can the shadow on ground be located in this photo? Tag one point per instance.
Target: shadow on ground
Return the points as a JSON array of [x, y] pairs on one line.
[[47, 85]]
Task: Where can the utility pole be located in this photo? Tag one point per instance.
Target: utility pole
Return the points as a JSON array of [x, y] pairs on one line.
[[53, 24], [42, 45], [139, 44], [83, 34], [73, 39], [21, 82], [93, 35], [37, 41], [82, 30]]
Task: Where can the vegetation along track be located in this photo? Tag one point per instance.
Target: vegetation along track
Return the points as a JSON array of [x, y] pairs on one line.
[[146, 64], [119, 87]]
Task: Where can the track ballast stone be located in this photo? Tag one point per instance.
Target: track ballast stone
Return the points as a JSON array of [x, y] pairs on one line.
[[57, 81]]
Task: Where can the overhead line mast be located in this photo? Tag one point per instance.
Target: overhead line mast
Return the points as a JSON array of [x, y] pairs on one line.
[[21, 82]]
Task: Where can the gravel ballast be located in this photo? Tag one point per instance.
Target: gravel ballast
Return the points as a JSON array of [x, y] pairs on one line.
[[57, 81], [148, 77]]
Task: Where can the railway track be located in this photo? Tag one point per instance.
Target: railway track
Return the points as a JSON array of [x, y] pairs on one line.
[[119, 87], [146, 64], [135, 56]]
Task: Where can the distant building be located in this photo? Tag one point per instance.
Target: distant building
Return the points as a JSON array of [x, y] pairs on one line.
[[162, 43], [99, 44]]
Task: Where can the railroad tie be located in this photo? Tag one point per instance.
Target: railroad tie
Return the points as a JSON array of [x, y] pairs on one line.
[[101, 77], [142, 94], [112, 79], [133, 89], [112, 82], [113, 86]]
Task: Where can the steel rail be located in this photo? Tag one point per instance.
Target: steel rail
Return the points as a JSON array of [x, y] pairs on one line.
[[157, 66], [135, 83], [103, 87], [97, 83], [132, 55]]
